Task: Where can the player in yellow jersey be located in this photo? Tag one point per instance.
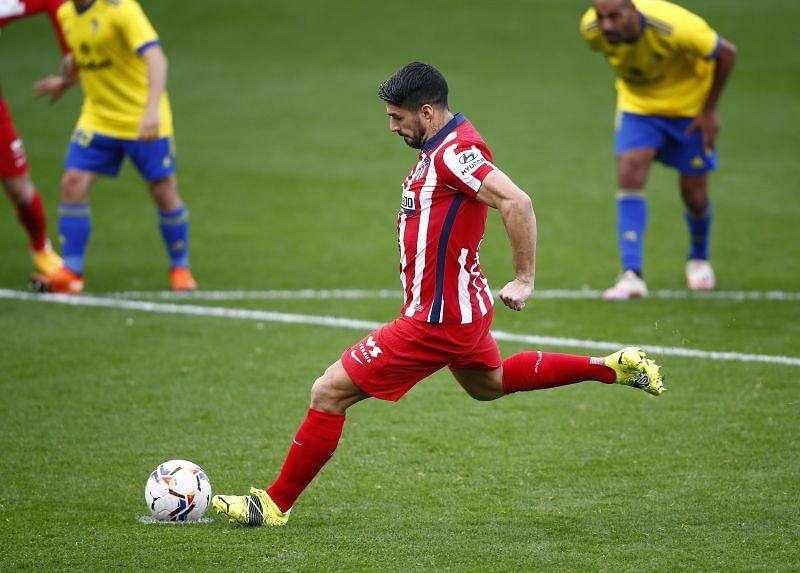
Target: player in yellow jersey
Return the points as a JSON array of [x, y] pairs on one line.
[[117, 55], [671, 67]]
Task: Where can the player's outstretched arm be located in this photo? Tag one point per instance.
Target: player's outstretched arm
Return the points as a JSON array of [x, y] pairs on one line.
[[516, 210], [55, 86]]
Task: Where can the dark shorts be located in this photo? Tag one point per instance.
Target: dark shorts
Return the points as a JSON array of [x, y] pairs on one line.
[[102, 154], [391, 360], [668, 136]]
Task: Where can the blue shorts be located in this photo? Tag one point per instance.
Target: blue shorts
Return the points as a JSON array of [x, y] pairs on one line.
[[667, 135], [97, 153]]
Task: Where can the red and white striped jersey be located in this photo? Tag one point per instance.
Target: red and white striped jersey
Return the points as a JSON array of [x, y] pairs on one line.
[[11, 10], [440, 227]]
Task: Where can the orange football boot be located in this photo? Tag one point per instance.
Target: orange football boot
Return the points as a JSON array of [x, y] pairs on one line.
[[62, 281], [182, 279]]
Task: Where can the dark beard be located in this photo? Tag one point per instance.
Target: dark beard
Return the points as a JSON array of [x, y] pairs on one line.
[[416, 139], [415, 142]]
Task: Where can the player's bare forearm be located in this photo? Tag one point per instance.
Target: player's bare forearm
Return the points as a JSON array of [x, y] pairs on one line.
[[726, 58], [156, 63], [707, 120], [520, 222], [69, 70], [516, 210]]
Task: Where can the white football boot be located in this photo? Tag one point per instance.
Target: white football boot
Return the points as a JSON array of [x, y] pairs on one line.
[[629, 285], [700, 275]]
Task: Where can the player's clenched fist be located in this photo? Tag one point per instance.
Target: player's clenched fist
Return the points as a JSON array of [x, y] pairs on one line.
[[515, 293]]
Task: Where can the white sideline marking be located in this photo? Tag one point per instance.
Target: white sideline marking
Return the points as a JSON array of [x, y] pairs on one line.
[[398, 295], [262, 294], [368, 325]]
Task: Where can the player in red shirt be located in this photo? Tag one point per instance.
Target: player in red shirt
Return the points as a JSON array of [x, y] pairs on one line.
[[447, 311], [13, 161]]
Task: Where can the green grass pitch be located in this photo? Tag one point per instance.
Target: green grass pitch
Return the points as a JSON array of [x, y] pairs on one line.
[[292, 180]]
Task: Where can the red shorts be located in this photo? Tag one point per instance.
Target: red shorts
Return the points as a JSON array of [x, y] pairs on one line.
[[391, 360], [13, 161]]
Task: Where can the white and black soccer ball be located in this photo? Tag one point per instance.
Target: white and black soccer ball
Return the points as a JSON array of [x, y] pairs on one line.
[[178, 490]]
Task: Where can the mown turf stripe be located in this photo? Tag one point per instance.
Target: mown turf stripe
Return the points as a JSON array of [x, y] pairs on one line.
[[367, 325]]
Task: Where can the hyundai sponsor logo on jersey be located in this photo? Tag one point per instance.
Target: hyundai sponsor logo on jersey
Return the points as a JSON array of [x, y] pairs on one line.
[[466, 157], [470, 159]]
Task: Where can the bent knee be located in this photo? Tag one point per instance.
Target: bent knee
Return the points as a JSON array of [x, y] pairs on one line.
[[74, 186], [19, 190], [322, 390], [633, 168], [485, 395], [334, 392], [165, 193]]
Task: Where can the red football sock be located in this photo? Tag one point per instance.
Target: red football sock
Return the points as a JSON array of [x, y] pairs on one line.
[[32, 218], [539, 370], [313, 446]]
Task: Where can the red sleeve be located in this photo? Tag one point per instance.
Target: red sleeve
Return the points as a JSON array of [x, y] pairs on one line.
[[33, 7], [466, 164], [52, 9]]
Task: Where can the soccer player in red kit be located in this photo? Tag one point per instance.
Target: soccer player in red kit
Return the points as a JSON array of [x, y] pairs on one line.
[[448, 307], [13, 162]]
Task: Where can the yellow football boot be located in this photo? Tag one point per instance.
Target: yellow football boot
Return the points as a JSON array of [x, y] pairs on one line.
[[47, 260], [254, 509], [633, 368]]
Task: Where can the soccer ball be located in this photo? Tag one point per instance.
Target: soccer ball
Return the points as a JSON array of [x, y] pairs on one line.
[[177, 490]]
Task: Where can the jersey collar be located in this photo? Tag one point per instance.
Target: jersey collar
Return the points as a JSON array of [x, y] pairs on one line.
[[457, 120], [643, 25], [82, 9]]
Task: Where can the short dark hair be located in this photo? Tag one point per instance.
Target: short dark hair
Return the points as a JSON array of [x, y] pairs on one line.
[[414, 85]]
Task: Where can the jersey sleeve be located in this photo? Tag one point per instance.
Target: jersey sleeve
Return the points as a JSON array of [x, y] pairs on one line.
[[694, 36], [466, 167], [137, 30], [12, 10], [590, 29], [52, 12]]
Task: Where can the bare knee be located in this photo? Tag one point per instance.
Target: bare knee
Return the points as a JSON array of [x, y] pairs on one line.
[[633, 168], [75, 186], [483, 386], [19, 189], [696, 203], [694, 191], [323, 395], [483, 394], [334, 391], [165, 193]]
